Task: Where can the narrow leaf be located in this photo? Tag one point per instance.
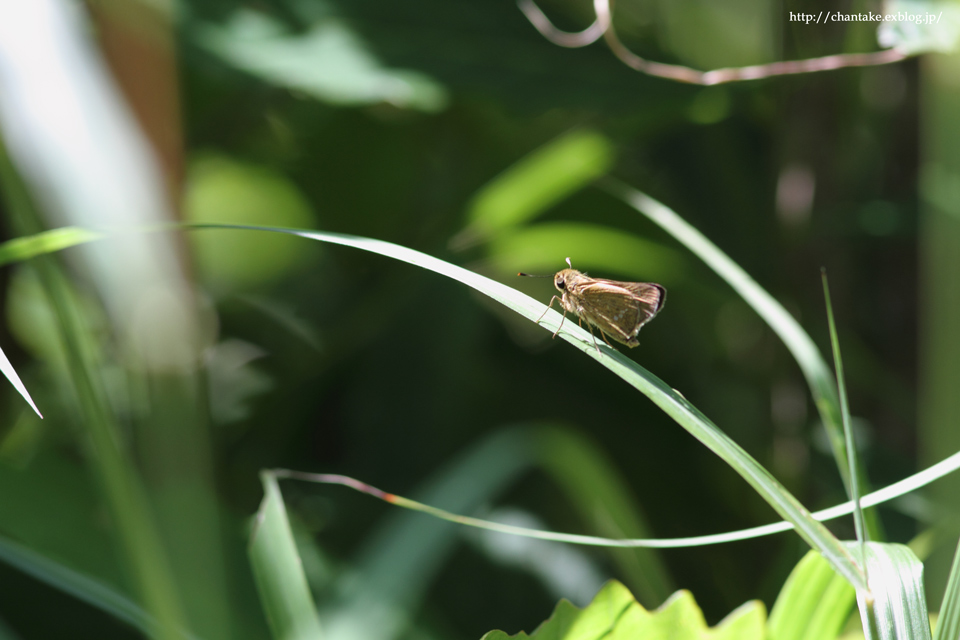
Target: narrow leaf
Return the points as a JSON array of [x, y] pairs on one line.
[[811, 362], [79, 585], [278, 571], [538, 181], [669, 400], [26, 247], [10, 373], [851, 446]]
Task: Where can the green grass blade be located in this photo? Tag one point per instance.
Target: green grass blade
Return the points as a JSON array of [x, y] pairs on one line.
[[130, 509], [669, 400], [278, 571], [11, 374], [77, 584], [38, 244], [854, 472], [811, 362], [878, 497], [814, 603], [948, 624], [895, 607]]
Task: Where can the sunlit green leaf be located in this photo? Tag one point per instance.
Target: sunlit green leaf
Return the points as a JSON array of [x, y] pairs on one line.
[[895, 607], [51, 241], [814, 603], [615, 615]]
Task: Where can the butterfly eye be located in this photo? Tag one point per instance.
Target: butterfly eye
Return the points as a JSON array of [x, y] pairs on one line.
[[560, 283]]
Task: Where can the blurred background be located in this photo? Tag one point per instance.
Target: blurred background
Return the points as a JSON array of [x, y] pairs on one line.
[[172, 368]]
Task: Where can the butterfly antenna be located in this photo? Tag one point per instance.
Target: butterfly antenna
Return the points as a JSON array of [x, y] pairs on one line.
[[528, 275]]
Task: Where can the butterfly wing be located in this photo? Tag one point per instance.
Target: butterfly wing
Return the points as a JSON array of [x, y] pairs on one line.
[[621, 308]]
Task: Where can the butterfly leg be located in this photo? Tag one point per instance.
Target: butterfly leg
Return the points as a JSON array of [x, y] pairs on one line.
[[561, 322], [604, 336], [549, 306], [595, 345]]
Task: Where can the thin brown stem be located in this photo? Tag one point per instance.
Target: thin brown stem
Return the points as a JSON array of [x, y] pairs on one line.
[[561, 38], [604, 26]]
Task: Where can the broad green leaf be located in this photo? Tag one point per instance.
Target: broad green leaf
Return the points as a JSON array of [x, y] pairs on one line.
[[920, 26], [330, 62], [895, 607], [814, 603], [615, 615], [538, 181], [278, 571]]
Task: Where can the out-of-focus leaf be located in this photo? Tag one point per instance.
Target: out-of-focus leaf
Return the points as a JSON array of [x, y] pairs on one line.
[[538, 181], [543, 247], [232, 381], [34, 323], [329, 62], [920, 26], [895, 607], [278, 571], [590, 481], [399, 559], [220, 189], [615, 615], [6, 633], [51, 241], [814, 603], [77, 584]]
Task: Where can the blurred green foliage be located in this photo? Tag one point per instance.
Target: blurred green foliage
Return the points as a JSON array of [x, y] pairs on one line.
[[455, 129]]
